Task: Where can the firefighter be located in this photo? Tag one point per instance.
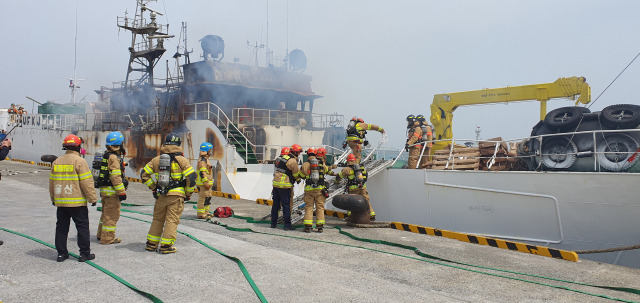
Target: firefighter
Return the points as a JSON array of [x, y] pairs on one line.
[[71, 188], [285, 173], [322, 156], [356, 131], [315, 192], [204, 181], [356, 176], [175, 181], [113, 186], [427, 140], [413, 145]]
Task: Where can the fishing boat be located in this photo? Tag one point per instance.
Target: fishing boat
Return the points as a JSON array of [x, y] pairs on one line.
[[568, 198]]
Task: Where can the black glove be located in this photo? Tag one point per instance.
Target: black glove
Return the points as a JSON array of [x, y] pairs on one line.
[[188, 198], [122, 197], [93, 204], [53, 203], [344, 144], [406, 147], [366, 143], [155, 194]]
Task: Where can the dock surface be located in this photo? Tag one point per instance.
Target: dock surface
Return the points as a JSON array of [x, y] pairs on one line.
[[285, 266]]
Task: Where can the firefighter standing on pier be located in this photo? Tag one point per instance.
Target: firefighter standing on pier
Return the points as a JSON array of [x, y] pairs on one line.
[[112, 184], [175, 182], [315, 192], [356, 176], [356, 131], [204, 181], [285, 174], [427, 140], [413, 141], [71, 188]]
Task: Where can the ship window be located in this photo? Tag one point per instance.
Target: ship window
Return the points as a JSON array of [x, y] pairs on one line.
[[241, 169]]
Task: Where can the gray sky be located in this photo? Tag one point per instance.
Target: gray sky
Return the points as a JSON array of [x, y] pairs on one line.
[[380, 60]]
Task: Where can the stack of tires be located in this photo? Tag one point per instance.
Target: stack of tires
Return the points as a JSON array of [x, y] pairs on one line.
[[610, 148]]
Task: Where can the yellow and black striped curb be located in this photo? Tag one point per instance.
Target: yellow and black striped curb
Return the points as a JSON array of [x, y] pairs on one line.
[[44, 164], [264, 202], [521, 247], [23, 161], [134, 180], [337, 214], [225, 195]]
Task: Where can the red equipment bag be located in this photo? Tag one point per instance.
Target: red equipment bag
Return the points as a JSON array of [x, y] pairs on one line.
[[223, 212]]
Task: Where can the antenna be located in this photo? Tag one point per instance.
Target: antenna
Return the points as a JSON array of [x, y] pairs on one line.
[[73, 81]]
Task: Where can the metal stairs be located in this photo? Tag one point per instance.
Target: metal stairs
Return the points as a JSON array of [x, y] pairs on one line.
[[243, 147]]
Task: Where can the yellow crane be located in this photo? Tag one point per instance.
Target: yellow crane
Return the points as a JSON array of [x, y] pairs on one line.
[[444, 104]]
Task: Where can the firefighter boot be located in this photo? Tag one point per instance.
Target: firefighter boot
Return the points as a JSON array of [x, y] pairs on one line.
[[151, 246], [320, 227], [307, 228], [167, 249]]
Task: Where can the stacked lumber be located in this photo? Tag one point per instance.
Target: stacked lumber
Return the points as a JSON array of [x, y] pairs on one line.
[[462, 158], [505, 156]]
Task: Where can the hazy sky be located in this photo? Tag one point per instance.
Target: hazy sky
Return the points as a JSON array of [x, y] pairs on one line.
[[380, 60]]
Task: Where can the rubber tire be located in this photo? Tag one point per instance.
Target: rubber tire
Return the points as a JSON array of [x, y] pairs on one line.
[[564, 118], [558, 153], [48, 158], [611, 116], [627, 147], [354, 203]]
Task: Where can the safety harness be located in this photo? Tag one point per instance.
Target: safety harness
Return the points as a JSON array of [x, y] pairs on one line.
[[281, 167], [104, 175]]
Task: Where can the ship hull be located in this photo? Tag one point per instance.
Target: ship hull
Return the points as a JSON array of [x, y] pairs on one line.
[[565, 210]]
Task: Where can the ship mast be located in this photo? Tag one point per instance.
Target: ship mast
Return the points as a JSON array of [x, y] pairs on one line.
[[73, 82], [147, 42]]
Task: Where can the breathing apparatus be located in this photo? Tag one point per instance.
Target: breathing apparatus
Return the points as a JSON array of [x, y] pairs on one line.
[[164, 174]]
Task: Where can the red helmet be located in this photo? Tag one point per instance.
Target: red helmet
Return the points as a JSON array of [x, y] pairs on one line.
[[360, 120], [321, 152], [285, 151], [71, 141], [351, 157], [311, 151], [296, 148]]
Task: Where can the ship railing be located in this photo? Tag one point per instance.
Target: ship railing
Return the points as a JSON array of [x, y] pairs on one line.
[[110, 121], [69, 122], [210, 111], [139, 23], [609, 146], [255, 116]]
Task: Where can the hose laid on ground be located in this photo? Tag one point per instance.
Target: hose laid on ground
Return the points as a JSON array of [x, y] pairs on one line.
[[146, 294], [253, 285], [418, 252]]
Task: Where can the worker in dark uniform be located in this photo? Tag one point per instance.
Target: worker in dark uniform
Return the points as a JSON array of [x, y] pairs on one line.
[[285, 174], [71, 188]]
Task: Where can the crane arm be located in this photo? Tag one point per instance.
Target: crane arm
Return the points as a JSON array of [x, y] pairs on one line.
[[443, 105]]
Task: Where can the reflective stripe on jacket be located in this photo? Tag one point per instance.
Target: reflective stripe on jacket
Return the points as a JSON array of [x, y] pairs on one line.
[[204, 169], [71, 182], [281, 180], [115, 176]]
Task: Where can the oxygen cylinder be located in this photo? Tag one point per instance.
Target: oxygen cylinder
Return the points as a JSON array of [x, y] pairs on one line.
[[315, 173], [357, 171], [275, 165], [164, 173], [95, 166], [351, 125], [424, 132]]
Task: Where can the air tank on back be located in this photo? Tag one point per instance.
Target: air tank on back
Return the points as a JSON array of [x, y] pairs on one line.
[[571, 150]]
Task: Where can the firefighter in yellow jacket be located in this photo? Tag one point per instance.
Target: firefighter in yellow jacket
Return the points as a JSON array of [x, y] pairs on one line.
[[427, 140], [356, 176], [175, 181], [315, 192], [112, 185], [71, 188], [413, 141], [204, 181], [356, 131], [286, 172]]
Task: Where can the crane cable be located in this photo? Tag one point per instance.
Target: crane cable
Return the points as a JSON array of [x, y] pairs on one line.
[[614, 80]]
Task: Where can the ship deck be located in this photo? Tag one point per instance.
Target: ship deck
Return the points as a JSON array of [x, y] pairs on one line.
[[286, 266]]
